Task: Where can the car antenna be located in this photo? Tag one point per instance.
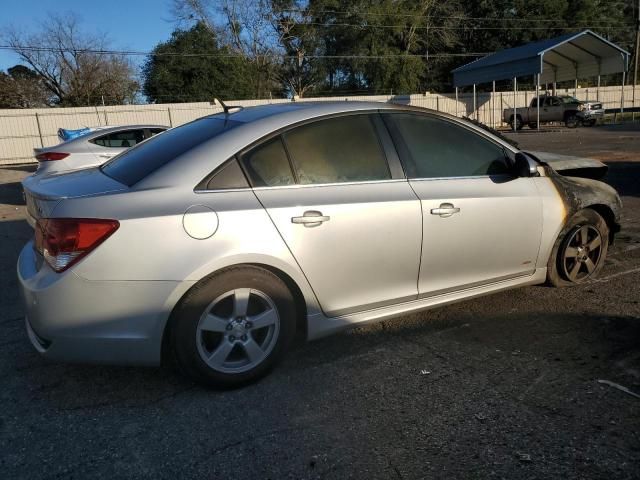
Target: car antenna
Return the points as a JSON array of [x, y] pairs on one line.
[[228, 108]]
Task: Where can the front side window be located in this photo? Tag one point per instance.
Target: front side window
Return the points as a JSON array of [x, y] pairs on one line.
[[123, 139], [435, 148], [337, 150]]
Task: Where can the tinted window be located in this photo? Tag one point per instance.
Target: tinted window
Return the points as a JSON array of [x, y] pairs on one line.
[[133, 165], [434, 148], [123, 139], [155, 131], [342, 149], [225, 177], [268, 165]]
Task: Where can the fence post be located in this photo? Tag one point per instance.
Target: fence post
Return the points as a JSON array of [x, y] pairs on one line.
[[39, 129], [437, 103], [97, 115], [170, 119]]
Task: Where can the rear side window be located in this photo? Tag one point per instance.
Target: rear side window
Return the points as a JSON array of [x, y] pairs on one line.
[[123, 139], [336, 150], [154, 131], [435, 148], [268, 165], [228, 176], [135, 164]]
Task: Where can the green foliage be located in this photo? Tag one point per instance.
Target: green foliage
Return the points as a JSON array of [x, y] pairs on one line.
[[171, 75]]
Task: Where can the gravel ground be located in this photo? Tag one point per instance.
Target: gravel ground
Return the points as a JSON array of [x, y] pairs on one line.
[[504, 386]]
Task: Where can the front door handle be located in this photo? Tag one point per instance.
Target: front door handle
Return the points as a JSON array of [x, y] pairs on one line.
[[445, 210], [311, 218]]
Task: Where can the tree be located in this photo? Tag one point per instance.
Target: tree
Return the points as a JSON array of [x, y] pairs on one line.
[[330, 47], [171, 74], [74, 66], [21, 87], [245, 27]]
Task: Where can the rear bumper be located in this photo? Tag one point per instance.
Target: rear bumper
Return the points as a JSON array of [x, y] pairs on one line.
[[76, 320]]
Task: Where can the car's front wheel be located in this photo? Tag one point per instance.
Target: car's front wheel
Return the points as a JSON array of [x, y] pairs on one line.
[[233, 327], [580, 250], [571, 120]]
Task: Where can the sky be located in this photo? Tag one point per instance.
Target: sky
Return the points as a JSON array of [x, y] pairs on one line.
[[129, 24]]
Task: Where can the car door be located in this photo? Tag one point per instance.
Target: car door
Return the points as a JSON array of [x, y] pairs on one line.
[[481, 224], [344, 209], [552, 110]]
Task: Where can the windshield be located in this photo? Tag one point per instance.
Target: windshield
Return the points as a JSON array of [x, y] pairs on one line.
[[136, 163], [569, 100]]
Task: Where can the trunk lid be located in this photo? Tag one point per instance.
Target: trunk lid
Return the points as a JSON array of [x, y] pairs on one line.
[[42, 194]]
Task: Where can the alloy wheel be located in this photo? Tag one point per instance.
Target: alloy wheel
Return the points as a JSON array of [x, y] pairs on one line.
[[582, 253], [238, 330]]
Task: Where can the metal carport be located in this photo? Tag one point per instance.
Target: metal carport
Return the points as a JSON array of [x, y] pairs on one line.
[[571, 56]]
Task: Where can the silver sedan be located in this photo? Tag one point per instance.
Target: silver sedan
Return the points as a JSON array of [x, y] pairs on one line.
[[93, 148], [218, 243]]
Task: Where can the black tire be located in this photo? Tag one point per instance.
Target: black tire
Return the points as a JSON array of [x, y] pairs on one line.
[[560, 262], [589, 123], [571, 120], [518, 120], [186, 338]]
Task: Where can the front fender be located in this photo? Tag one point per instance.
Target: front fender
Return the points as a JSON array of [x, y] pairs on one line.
[[578, 193]]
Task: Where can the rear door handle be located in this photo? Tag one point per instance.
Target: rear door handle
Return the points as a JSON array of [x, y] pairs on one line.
[[445, 210], [311, 218]]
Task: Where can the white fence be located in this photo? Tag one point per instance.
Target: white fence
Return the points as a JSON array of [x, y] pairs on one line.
[[23, 130]]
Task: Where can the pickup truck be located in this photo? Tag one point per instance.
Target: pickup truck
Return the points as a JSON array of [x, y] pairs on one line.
[[569, 110]]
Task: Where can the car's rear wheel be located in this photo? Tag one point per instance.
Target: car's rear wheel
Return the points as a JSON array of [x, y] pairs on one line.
[[518, 122], [589, 123], [233, 327], [580, 250]]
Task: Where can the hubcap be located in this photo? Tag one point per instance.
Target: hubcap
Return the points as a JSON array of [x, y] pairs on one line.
[[238, 330], [582, 253]]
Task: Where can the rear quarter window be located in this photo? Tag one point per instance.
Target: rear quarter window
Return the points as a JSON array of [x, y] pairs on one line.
[[137, 163]]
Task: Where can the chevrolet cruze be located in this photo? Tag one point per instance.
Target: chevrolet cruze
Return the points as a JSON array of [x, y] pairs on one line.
[[219, 242]]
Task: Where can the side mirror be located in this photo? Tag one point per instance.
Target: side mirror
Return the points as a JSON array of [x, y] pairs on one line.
[[525, 166]]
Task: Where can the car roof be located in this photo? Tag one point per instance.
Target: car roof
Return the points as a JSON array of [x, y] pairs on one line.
[[302, 110], [256, 123]]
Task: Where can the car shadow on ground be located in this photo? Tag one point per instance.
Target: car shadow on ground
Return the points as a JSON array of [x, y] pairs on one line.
[[623, 176], [455, 347], [11, 194], [25, 167]]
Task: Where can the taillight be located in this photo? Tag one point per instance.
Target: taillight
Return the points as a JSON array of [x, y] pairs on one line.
[[49, 156], [64, 241]]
